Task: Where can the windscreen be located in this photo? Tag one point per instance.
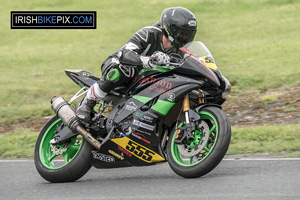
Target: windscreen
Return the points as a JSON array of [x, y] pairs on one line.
[[200, 51]]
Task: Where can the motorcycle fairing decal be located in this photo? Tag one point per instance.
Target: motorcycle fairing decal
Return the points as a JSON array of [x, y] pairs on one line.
[[142, 98], [179, 92], [122, 157], [160, 106], [102, 157], [209, 62], [135, 83], [153, 85], [130, 106], [163, 104], [163, 85], [139, 151]]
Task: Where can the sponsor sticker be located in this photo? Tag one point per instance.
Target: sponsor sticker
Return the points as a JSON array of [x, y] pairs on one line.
[[131, 106], [192, 23], [86, 74], [160, 86], [144, 117], [141, 131], [103, 157], [125, 151], [140, 136], [143, 125], [116, 155]]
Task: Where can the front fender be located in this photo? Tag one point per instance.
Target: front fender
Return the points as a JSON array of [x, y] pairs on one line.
[[198, 107]]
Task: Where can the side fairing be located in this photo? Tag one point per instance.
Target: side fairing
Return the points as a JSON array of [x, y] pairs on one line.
[[144, 113], [157, 93]]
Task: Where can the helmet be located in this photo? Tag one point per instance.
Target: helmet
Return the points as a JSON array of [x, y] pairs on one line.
[[179, 25]]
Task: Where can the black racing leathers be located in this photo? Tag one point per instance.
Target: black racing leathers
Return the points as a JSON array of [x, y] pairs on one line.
[[143, 43]]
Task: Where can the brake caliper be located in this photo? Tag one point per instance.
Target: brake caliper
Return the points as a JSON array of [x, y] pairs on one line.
[[185, 133], [193, 143]]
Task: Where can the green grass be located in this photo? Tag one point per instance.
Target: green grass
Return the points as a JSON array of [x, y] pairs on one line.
[[264, 139], [18, 144], [293, 155], [268, 99], [255, 44]]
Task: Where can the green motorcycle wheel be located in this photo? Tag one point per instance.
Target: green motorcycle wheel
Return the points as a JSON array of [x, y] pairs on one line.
[[66, 162], [198, 156]]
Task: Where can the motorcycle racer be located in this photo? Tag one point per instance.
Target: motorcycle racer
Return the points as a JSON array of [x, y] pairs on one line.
[[149, 47]]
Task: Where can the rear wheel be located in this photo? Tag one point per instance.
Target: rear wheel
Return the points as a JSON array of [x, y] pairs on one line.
[[198, 156], [61, 163]]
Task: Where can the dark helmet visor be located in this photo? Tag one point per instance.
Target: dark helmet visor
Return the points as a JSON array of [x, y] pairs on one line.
[[180, 36]]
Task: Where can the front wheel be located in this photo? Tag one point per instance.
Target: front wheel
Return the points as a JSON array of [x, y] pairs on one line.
[[198, 156], [61, 163]]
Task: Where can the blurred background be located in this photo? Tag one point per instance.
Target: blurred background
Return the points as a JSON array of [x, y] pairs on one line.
[[255, 44]]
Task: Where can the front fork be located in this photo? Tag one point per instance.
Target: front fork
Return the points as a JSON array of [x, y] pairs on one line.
[[189, 114], [186, 107], [191, 117]]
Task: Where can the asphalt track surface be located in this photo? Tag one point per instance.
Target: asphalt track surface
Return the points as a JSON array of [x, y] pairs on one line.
[[235, 178]]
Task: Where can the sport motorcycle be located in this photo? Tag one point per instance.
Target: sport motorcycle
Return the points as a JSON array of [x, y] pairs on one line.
[[170, 113]]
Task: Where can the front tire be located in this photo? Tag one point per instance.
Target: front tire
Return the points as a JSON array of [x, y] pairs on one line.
[[211, 140], [61, 163]]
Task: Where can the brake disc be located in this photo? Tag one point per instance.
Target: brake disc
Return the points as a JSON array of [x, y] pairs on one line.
[[189, 152], [58, 149]]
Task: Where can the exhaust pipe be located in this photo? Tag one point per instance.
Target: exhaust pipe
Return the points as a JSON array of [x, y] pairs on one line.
[[65, 112]]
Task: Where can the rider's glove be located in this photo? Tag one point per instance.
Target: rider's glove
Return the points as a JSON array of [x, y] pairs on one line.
[[157, 59]]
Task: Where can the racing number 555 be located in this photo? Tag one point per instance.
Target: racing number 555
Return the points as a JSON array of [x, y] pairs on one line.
[[141, 152]]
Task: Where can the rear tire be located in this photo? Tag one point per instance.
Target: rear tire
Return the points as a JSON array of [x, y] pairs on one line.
[[213, 152], [76, 156]]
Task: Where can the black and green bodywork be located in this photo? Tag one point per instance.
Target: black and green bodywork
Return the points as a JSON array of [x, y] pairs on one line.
[[143, 106]]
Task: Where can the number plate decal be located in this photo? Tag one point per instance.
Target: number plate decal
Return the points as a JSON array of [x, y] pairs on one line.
[[138, 150]]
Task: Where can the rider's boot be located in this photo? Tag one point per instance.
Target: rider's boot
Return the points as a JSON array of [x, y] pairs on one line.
[[85, 107]]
